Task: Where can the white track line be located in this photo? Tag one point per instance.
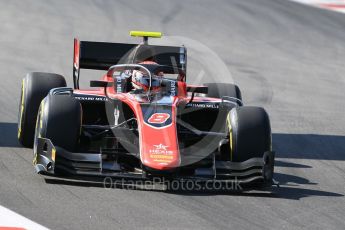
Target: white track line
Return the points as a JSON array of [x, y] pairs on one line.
[[335, 5], [10, 219]]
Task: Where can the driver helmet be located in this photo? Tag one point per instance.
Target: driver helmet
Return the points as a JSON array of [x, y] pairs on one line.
[[141, 81]]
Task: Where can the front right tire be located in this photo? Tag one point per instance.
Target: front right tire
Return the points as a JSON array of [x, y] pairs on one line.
[[60, 120]]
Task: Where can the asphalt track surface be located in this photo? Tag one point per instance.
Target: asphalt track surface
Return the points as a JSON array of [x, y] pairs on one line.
[[287, 57]]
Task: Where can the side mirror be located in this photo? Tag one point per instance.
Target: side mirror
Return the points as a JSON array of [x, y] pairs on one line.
[[165, 83], [102, 84], [197, 89]]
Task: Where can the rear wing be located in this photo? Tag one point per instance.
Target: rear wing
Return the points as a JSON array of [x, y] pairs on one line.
[[102, 55]]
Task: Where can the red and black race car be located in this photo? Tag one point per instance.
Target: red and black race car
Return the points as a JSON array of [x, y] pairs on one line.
[[142, 120]]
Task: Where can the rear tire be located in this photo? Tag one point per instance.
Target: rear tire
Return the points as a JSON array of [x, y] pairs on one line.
[[35, 87], [249, 133], [218, 90], [60, 119]]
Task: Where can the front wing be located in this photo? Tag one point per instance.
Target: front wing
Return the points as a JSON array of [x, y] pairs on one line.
[[49, 159]]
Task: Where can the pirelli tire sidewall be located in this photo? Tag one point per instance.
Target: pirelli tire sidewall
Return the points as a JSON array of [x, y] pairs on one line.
[[35, 86], [250, 133], [61, 121]]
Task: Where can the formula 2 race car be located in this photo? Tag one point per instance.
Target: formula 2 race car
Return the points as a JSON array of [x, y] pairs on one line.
[[142, 120]]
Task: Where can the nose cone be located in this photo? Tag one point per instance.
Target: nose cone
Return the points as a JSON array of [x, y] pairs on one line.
[[159, 147], [161, 158]]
